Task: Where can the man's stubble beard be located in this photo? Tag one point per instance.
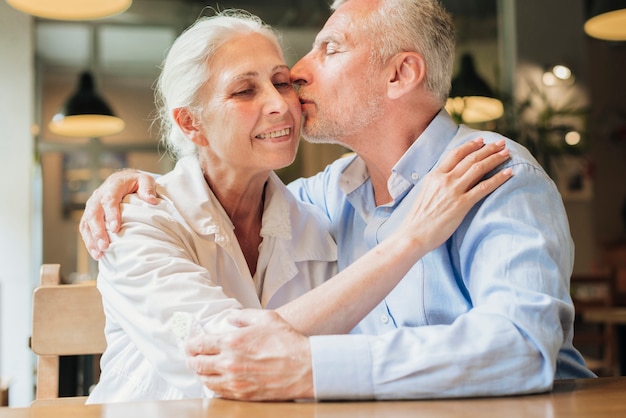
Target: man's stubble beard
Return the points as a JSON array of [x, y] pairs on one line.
[[336, 126]]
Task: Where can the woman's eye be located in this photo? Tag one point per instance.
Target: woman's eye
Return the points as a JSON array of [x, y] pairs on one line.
[[245, 92], [282, 86]]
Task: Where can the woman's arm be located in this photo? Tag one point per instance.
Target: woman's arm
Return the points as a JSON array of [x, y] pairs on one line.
[[149, 274], [449, 192]]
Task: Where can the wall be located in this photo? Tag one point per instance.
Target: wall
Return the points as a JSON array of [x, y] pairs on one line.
[[549, 32], [19, 253], [608, 121]]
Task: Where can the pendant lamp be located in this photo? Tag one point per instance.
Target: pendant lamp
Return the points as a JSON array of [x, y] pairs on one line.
[[471, 99], [86, 114], [606, 19], [558, 75], [71, 9]]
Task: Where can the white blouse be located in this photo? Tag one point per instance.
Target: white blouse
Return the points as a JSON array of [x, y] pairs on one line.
[[182, 256]]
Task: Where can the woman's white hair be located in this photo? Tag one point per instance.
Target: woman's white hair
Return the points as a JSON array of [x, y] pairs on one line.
[[186, 69], [421, 26]]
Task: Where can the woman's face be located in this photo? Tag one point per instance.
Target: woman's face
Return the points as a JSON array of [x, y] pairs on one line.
[[251, 113]]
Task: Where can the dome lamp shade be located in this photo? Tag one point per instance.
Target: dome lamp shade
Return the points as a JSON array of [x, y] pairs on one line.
[[71, 9], [86, 114], [471, 99], [606, 19]]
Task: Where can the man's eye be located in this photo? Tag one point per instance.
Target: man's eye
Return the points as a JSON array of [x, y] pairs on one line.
[[331, 49]]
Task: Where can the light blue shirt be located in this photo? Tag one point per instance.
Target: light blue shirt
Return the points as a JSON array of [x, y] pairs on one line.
[[487, 313]]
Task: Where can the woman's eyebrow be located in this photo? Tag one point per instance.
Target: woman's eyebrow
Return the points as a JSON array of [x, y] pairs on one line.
[[247, 74], [281, 67], [252, 74]]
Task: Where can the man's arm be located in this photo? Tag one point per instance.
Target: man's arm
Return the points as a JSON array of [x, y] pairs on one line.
[[269, 358], [491, 314], [102, 210], [448, 193]]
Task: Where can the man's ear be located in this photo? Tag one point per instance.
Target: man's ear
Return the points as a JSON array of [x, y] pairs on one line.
[[187, 122], [407, 70]]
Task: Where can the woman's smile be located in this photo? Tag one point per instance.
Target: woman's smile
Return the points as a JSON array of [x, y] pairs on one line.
[[276, 135]]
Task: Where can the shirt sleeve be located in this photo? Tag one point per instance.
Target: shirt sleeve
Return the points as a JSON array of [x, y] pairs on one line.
[[148, 274], [512, 258]]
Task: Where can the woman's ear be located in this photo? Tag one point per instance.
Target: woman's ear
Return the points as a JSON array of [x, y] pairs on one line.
[[189, 125], [407, 70]]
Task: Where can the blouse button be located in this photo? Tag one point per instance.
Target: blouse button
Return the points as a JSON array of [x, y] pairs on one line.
[[384, 319], [415, 176]]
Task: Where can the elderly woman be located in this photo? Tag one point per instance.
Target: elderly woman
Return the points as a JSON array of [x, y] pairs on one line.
[[226, 234]]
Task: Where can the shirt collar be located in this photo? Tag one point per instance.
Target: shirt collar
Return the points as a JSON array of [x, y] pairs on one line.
[[188, 191], [276, 212], [422, 156], [416, 162]]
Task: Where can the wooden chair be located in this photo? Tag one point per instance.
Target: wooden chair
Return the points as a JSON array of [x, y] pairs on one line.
[[68, 319], [615, 260], [596, 341]]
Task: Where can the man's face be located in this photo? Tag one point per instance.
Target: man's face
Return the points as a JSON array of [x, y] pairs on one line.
[[339, 88]]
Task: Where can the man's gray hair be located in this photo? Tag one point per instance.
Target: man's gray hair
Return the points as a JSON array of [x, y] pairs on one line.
[[422, 26]]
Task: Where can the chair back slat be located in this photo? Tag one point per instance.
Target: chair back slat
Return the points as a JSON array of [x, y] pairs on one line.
[[68, 319]]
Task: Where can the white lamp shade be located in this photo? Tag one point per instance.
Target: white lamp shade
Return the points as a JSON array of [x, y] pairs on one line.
[[71, 9], [475, 109], [86, 126]]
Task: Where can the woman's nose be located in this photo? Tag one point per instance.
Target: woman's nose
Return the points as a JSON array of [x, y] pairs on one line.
[[275, 101]]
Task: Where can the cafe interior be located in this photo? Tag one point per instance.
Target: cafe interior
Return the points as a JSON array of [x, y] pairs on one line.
[[539, 71]]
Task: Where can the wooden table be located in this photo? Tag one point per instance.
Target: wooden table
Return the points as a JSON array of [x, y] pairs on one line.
[[593, 398]]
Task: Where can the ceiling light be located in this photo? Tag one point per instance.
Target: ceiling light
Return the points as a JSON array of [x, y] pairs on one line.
[[86, 114], [471, 99], [558, 75], [572, 138], [607, 19], [71, 9]]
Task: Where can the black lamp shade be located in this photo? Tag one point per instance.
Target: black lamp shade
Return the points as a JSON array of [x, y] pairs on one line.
[[86, 101], [471, 99], [86, 114], [468, 82]]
